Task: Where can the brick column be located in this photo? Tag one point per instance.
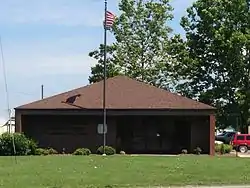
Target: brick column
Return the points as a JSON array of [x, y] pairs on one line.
[[212, 134], [18, 122]]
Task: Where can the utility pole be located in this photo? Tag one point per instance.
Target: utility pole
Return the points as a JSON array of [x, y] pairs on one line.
[[41, 91]]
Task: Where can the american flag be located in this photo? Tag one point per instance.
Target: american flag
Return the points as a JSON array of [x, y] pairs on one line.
[[110, 20]]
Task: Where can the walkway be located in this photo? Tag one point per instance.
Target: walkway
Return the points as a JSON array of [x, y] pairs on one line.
[[230, 186]]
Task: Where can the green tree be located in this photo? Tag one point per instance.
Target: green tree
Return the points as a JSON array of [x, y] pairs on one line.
[[141, 44], [97, 71], [213, 60]]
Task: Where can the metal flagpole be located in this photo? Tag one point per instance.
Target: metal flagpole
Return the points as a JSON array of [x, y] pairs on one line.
[[104, 79]]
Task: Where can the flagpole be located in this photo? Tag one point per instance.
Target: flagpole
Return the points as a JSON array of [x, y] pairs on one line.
[[105, 77]]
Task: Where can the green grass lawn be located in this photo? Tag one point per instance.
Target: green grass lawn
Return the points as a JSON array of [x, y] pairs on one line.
[[121, 171]]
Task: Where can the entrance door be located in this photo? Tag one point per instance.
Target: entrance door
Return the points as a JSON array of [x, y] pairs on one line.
[[141, 135], [154, 138]]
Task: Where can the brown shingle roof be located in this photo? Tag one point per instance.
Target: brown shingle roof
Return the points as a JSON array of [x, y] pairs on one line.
[[122, 93]]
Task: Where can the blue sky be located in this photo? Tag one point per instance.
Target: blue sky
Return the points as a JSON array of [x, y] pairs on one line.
[[47, 42]]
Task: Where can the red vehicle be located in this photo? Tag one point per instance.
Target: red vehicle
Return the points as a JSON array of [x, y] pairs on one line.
[[241, 142]]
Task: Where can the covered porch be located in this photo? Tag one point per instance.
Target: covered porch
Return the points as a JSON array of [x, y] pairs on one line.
[[163, 134], [134, 131]]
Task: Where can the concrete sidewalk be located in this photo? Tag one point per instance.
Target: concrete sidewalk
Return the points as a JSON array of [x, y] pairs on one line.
[[190, 186], [228, 186], [243, 155]]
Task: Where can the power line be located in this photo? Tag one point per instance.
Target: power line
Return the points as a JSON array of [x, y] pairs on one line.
[[7, 97], [5, 78]]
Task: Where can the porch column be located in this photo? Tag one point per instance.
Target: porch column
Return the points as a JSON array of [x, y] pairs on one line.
[[212, 134], [18, 122]]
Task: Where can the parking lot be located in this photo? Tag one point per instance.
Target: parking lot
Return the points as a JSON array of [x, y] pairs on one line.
[[241, 154]]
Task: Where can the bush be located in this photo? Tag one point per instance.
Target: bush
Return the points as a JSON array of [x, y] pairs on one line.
[[223, 148], [82, 151], [228, 148], [22, 144], [184, 151], [52, 151], [122, 152], [41, 151], [32, 147], [197, 150], [217, 148], [108, 150]]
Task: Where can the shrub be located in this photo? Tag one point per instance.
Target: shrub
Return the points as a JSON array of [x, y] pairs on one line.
[[223, 148], [184, 151], [22, 144], [63, 151], [217, 148], [228, 148], [108, 150], [122, 152], [52, 151], [32, 147], [197, 150], [42, 151], [82, 151]]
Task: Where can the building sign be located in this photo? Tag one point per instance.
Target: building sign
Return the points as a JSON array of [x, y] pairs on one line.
[[100, 129]]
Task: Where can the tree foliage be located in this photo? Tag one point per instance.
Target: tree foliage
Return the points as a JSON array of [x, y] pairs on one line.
[[141, 44], [97, 71], [213, 60]]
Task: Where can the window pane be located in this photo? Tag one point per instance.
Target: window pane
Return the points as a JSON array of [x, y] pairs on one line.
[[248, 137], [232, 138], [230, 134], [240, 137]]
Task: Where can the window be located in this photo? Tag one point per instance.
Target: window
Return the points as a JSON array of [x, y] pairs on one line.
[[230, 134], [240, 137], [248, 138], [222, 134]]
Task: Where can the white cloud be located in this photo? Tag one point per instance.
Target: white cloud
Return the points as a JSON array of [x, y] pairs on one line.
[[76, 64], [39, 64], [58, 56], [60, 12], [65, 12]]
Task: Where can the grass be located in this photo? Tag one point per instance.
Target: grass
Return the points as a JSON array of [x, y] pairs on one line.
[[121, 171]]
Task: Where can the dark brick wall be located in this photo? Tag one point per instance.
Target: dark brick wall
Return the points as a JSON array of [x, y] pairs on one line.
[[72, 132], [69, 132]]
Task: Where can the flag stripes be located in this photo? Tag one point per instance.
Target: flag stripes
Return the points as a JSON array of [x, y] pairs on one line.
[[110, 19]]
